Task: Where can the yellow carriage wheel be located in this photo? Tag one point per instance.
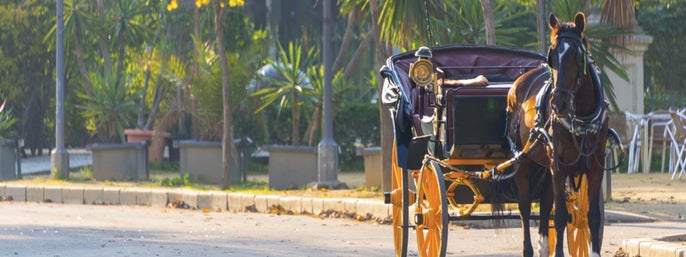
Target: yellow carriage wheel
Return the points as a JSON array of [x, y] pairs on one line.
[[552, 235], [399, 192], [578, 231], [431, 212]]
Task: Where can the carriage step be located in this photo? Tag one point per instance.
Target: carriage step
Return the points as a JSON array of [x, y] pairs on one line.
[[387, 197]]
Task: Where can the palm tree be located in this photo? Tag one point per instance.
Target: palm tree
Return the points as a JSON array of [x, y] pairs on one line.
[[6, 119], [489, 21], [109, 109], [293, 85], [622, 15], [77, 20], [468, 24], [130, 28]]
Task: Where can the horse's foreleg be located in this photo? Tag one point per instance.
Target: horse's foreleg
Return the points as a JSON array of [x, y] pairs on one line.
[[594, 225], [524, 204], [561, 213], [594, 213], [546, 208]]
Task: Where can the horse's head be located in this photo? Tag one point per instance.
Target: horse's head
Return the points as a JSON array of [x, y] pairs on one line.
[[567, 61]]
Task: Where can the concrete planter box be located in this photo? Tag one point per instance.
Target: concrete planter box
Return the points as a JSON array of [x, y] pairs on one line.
[[8, 159], [128, 161], [372, 167], [292, 166], [202, 160]]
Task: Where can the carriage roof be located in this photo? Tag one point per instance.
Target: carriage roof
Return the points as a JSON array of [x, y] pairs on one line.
[[499, 64]]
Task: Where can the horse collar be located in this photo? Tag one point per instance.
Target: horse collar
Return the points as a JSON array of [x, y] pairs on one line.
[[589, 124], [581, 127]]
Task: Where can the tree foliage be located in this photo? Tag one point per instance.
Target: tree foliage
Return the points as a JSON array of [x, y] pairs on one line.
[[664, 65], [154, 38], [26, 65]]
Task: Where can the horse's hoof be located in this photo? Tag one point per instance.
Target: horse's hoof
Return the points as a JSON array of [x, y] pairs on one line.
[[543, 248]]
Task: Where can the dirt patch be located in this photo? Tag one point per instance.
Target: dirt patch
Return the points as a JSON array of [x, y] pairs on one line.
[[679, 239], [655, 195]]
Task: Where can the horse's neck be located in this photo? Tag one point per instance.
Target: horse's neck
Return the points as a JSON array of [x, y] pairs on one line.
[[585, 98]]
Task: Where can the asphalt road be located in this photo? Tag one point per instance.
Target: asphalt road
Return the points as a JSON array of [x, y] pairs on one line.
[[63, 230]]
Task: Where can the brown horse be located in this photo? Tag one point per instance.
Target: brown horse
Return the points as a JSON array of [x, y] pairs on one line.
[[566, 101]]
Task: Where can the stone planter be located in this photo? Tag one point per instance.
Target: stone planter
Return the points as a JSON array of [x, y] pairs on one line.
[[372, 167], [158, 141], [201, 160], [128, 161], [8, 159], [292, 166]]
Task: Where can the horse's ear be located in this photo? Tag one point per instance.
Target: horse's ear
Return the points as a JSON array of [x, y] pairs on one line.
[[580, 22], [553, 22]]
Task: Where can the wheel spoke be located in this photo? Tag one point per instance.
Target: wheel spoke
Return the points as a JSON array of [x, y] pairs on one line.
[[399, 206], [432, 205], [578, 233]]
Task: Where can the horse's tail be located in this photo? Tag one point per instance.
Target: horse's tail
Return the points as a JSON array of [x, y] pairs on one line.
[[501, 192]]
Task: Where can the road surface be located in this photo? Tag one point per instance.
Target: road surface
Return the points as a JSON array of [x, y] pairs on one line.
[[63, 230]]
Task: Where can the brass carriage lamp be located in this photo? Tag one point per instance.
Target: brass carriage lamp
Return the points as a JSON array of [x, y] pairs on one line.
[[422, 70]]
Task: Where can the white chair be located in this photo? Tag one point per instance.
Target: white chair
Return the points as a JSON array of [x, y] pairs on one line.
[[621, 123], [657, 122], [634, 125], [677, 136]]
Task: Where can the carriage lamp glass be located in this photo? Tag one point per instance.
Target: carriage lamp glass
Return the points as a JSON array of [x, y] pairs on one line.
[[421, 72]]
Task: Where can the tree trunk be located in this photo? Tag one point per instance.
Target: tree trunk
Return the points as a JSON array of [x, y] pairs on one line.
[[347, 38], [295, 115], [143, 106], [384, 116], [196, 23], [227, 131], [122, 54], [358, 53], [104, 49], [314, 126], [489, 21], [78, 50], [157, 98]]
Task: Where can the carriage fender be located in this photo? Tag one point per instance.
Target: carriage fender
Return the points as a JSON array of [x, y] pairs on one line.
[[389, 91], [401, 113], [392, 96]]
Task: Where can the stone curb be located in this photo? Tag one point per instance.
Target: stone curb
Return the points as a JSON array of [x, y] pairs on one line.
[[212, 200], [654, 247]]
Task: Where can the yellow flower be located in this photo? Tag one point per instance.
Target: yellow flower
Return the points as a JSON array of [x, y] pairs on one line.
[[172, 6], [235, 3], [205, 2], [198, 3]]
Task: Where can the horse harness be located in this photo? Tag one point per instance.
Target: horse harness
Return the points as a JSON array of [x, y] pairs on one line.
[[584, 129]]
